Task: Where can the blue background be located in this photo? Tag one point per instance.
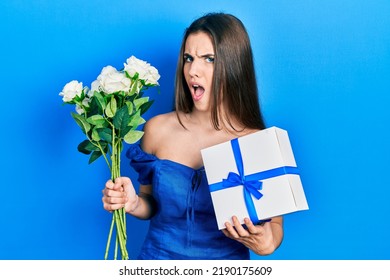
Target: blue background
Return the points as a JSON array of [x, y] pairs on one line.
[[323, 70]]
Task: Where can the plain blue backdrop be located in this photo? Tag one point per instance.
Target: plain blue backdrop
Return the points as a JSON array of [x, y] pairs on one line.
[[323, 71]]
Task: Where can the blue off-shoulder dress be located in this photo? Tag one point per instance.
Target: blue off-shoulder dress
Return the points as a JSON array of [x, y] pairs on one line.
[[184, 226]]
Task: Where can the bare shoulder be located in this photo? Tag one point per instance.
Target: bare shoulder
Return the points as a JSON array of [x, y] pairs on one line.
[[157, 129]]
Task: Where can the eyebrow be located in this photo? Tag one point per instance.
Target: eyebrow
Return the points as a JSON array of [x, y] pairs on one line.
[[201, 56]]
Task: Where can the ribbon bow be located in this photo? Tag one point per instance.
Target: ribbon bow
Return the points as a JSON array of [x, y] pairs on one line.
[[252, 186]]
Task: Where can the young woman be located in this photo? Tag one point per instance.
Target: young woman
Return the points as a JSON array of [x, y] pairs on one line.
[[216, 100]]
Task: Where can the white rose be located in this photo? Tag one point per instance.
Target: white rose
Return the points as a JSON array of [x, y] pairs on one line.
[[71, 90], [152, 76], [95, 86], [145, 71], [134, 65], [111, 80]]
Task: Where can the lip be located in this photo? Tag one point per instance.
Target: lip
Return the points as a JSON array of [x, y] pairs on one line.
[[196, 96]]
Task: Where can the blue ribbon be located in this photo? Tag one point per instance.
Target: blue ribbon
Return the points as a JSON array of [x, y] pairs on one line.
[[252, 184]]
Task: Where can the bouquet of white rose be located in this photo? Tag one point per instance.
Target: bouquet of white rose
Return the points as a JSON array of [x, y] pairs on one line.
[[108, 114]]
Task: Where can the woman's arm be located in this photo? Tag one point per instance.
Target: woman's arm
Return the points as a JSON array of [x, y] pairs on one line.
[[144, 206]]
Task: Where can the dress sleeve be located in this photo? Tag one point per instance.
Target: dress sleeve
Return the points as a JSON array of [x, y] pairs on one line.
[[142, 162]]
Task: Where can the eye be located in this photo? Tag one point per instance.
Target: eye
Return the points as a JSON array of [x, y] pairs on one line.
[[188, 58], [210, 59]]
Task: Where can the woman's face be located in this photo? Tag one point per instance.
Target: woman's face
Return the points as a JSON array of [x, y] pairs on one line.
[[199, 68]]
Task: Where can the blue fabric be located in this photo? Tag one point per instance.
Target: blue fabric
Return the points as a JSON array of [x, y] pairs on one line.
[[184, 226]]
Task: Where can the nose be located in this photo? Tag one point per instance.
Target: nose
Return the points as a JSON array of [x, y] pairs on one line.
[[193, 70]]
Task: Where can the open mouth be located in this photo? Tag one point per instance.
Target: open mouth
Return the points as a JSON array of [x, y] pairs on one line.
[[198, 92]]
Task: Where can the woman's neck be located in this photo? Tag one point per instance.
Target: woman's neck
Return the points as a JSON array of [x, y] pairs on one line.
[[203, 120], [199, 118]]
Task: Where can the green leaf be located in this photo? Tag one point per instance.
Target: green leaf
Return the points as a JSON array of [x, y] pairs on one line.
[[86, 147], [121, 118], [136, 86], [94, 108], [97, 120], [95, 135], [130, 106], [139, 101], [131, 98], [135, 119], [141, 121], [133, 136], [100, 100], [82, 122], [105, 134], [144, 107], [95, 155], [104, 146], [124, 131], [135, 77], [111, 108]]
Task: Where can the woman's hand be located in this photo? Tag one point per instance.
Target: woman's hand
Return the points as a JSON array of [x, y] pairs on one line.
[[261, 239], [119, 194]]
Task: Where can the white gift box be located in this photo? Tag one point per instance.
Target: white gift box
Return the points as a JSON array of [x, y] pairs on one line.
[[267, 169]]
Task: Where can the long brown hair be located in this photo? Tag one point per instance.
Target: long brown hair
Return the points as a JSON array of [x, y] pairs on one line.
[[234, 81]]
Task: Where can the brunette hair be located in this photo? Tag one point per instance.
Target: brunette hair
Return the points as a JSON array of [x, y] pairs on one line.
[[234, 81]]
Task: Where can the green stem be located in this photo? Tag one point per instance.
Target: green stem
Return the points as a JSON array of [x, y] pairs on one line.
[[109, 238], [124, 222], [119, 216], [122, 241], [114, 154], [116, 246]]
